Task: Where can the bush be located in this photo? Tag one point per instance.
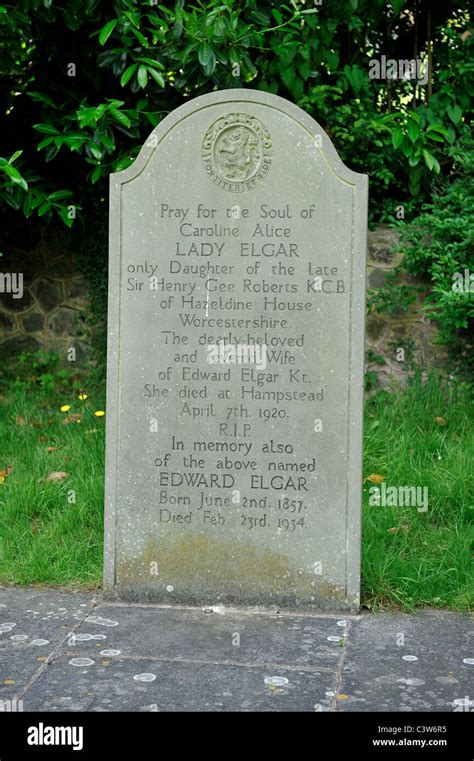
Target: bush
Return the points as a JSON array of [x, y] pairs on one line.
[[83, 85], [439, 246]]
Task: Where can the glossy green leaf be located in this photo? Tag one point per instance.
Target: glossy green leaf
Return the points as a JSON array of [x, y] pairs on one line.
[[107, 30]]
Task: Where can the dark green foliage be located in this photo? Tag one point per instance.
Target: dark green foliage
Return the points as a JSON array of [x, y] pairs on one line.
[[93, 261], [84, 82], [439, 246], [46, 374]]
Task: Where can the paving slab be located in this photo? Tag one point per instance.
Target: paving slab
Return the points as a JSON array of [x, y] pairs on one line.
[[34, 622], [223, 635], [408, 662], [87, 655], [143, 684], [41, 613], [16, 671]]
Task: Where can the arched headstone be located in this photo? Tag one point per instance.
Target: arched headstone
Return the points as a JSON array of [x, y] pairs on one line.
[[235, 364]]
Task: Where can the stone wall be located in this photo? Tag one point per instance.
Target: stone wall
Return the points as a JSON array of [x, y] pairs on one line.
[[52, 315], [411, 330]]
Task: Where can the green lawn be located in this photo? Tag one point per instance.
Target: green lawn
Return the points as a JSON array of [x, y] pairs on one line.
[[423, 437], [51, 531]]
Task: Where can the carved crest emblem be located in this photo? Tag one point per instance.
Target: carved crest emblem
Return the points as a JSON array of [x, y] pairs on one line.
[[236, 151]]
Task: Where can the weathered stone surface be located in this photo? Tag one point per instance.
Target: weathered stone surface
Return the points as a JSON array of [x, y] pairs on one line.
[[48, 294], [376, 676], [7, 323], [382, 246], [33, 322], [242, 485], [13, 347], [76, 289], [82, 349], [374, 328], [227, 660], [377, 278], [64, 322], [59, 346], [11, 303]]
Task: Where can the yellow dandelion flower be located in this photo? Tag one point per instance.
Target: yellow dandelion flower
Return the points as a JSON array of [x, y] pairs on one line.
[[2, 479], [65, 408], [78, 420], [82, 397], [99, 413], [375, 478]]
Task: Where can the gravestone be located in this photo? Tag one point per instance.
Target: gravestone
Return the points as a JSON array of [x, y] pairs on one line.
[[235, 361]]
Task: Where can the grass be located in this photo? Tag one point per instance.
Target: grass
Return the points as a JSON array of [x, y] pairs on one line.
[[421, 437], [51, 531]]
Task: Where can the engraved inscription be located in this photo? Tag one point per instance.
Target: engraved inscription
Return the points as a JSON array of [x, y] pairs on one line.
[[235, 363]]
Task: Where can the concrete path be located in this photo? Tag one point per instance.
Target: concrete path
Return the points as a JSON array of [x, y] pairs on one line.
[[66, 651]]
